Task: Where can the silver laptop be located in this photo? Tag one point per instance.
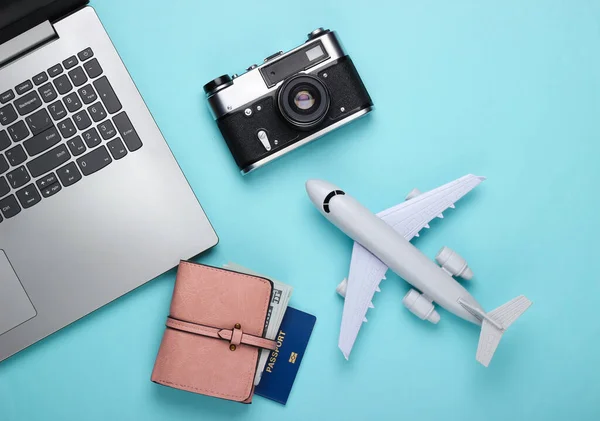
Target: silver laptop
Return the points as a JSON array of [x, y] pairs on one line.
[[92, 201]]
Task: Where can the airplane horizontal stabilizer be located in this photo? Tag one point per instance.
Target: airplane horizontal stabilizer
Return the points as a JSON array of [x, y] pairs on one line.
[[491, 333]]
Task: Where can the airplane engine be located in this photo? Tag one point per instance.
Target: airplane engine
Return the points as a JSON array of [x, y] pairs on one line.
[[420, 306], [453, 263]]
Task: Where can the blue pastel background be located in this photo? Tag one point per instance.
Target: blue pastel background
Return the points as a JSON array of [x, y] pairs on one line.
[[506, 89]]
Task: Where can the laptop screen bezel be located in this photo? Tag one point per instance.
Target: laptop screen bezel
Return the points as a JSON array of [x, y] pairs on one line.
[[45, 10]]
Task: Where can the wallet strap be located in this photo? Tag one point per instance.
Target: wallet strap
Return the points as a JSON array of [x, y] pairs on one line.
[[235, 336]]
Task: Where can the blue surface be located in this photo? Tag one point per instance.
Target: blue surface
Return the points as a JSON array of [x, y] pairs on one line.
[[506, 89]]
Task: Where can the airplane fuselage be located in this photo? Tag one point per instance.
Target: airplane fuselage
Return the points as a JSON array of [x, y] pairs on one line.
[[399, 255]]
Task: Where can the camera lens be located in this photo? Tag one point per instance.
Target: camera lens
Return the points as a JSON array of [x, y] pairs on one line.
[[303, 101]]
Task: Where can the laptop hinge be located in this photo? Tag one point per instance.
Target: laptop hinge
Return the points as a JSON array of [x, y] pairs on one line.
[[26, 42]]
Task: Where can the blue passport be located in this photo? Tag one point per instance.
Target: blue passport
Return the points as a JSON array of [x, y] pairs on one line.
[[283, 363]]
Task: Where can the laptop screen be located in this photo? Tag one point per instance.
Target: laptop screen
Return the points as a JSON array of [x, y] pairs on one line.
[[17, 16]]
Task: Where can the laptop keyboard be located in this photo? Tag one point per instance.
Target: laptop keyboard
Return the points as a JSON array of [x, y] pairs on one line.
[[56, 128]]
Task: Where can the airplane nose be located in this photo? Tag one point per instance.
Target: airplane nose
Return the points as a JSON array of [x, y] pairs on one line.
[[318, 190]]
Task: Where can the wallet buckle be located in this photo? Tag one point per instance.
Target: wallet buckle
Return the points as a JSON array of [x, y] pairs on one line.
[[236, 337]]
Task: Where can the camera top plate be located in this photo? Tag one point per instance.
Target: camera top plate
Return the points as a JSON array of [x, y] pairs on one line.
[[294, 62], [252, 84]]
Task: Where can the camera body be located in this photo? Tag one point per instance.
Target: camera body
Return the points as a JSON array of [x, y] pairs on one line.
[[289, 100]]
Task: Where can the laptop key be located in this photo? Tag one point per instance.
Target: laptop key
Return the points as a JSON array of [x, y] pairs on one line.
[[51, 190], [78, 76], [94, 161], [76, 146], [107, 95], [92, 68], [107, 129], [38, 121], [116, 148], [46, 180], [72, 102], [47, 92], [40, 78], [28, 196], [4, 140], [85, 54], [18, 131], [49, 160], [82, 120], [91, 138], [6, 96], [7, 115], [57, 110], [69, 174], [70, 62], [9, 206], [28, 103], [97, 112], [128, 133], [63, 85], [42, 142], [67, 128], [4, 187], [23, 87], [18, 178], [87, 94], [16, 156], [3, 164], [55, 70]]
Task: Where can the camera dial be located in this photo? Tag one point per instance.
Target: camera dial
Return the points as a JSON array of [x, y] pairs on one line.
[[317, 33], [303, 101], [217, 84]]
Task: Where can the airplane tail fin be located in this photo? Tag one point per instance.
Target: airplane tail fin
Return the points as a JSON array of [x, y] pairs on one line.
[[491, 333]]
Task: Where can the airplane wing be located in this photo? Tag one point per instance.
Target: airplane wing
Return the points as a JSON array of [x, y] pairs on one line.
[[367, 271], [410, 217]]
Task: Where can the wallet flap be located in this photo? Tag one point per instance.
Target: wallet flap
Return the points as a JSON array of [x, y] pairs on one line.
[[218, 299]]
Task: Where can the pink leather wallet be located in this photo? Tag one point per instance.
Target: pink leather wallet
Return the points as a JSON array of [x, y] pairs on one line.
[[214, 332]]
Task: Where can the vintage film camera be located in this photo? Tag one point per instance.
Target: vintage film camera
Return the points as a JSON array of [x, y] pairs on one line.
[[288, 101]]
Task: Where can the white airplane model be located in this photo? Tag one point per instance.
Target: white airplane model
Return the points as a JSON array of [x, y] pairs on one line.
[[382, 241]]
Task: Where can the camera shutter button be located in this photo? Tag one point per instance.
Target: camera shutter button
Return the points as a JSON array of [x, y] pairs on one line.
[[264, 139], [272, 56]]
